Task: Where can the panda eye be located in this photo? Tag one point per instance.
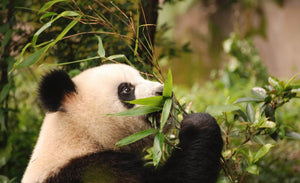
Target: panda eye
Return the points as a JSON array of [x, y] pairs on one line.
[[125, 89], [126, 93]]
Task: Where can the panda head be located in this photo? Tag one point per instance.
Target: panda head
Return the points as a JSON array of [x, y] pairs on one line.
[[78, 107]]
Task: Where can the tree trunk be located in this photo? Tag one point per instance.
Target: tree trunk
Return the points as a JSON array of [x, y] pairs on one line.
[[148, 17]]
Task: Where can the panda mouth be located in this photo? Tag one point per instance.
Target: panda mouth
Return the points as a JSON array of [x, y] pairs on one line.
[[153, 119]]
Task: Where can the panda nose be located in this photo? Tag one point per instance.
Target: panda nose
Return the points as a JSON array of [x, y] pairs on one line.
[[159, 90]]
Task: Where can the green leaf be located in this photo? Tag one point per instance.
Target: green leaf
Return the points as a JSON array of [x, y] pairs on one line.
[[165, 112], [262, 151], [101, 50], [22, 53], [49, 5], [112, 57], [36, 35], [36, 56], [291, 80], [253, 169], [274, 82], [168, 87], [72, 62], [217, 110], [247, 99], [250, 112], [33, 58], [268, 124], [48, 24], [135, 137], [157, 147], [140, 110], [48, 14], [153, 101], [65, 31]]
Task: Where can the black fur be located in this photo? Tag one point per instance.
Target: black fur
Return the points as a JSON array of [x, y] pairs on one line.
[[53, 88], [197, 160], [126, 93], [118, 167]]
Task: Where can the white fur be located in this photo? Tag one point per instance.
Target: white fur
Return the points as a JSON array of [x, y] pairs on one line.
[[85, 127]]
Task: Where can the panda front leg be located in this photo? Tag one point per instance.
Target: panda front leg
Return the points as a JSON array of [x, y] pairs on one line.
[[197, 158]]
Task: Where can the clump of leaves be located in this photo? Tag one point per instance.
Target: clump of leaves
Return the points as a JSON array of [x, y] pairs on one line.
[[250, 129], [272, 96], [149, 106]]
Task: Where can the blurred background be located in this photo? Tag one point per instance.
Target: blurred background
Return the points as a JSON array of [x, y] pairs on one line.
[[204, 25], [217, 49]]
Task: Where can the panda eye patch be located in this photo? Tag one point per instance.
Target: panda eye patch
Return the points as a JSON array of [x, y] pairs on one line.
[[126, 93]]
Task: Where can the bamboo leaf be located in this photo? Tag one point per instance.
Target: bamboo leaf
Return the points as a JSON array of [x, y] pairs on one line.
[[137, 35], [168, 87], [157, 147], [48, 24], [72, 62], [49, 5], [64, 32], [101, 50], [22, 53], [33, 58], [36, 35], [48, 14], [151, 101], [141, 110], [135, 137], [165, 112]]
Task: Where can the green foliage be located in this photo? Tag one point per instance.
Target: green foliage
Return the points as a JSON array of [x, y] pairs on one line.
[[136, 137]]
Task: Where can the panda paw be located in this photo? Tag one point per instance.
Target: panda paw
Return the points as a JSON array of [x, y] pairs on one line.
[[198, 125]]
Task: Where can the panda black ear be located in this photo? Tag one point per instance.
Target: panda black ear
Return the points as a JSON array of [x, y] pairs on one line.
[[53, 88]]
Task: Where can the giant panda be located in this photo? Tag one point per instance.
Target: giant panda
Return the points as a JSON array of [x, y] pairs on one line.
[[77, 138]]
